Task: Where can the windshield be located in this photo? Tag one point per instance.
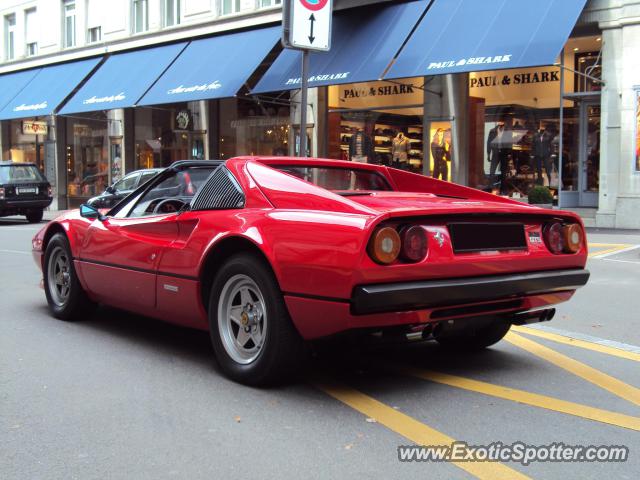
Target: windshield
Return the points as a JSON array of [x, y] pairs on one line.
[[20, 173], [338, 179]]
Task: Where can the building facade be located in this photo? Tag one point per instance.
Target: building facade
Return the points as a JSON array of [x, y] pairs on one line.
[[123, 100]]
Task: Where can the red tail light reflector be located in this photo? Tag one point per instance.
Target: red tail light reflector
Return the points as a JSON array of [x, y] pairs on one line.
[[554, 237], [414, 243]]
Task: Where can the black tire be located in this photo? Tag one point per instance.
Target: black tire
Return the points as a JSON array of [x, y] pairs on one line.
[[34, 216], [75, 305], [282, 351], [478, 339]]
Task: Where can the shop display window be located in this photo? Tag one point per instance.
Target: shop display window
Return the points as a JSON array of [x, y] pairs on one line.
[[514, 123], [251, 128], [168, 133], [87, 155]]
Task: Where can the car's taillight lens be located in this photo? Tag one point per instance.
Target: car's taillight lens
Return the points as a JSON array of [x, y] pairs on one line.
[[384, 246], [572, 237], [414, 244], [553, 237], [1, 193]]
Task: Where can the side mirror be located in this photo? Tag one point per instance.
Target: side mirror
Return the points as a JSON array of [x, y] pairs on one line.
[[110, 189], [92, 213]]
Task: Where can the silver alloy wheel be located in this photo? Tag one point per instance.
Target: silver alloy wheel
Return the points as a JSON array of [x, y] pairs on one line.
[[59, 276], [242, 319]]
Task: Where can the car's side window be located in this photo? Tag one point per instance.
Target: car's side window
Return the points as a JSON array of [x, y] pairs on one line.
[[146, 176], [126, 183], [173, 193]]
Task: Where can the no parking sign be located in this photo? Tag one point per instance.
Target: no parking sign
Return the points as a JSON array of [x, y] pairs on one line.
[[307, 24]]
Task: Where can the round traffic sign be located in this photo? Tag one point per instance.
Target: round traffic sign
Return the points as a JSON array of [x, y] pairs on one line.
[[314, 5]]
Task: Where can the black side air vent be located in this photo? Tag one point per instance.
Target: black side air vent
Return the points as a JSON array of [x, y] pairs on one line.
[[220, 192]]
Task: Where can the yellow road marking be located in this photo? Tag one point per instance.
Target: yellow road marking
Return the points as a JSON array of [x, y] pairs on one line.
[[596, 347], [614, 247], [528, 398], [590, 374], [413, 430]]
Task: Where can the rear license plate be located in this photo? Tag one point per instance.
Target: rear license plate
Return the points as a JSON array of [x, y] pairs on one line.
[[479, 237], [23, 190]]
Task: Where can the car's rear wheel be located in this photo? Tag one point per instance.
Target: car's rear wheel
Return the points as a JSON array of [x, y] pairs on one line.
[[34, 216], [475, 339], [252, 335], [65, 296]]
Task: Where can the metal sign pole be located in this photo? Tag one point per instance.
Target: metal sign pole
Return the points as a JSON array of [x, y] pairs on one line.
[[303, 104]]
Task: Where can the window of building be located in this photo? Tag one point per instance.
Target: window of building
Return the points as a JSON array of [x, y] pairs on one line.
[[69, 39], [140, 16], [94, 34], [95, 16], [9, 36], [30, 32], [382, 123], [165, 135], [247, 128], [86, 156], [171, 12], [270, 3], [230, 6]]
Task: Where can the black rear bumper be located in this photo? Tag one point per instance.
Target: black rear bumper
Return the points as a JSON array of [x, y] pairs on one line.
[[20, 205], [397, 297]]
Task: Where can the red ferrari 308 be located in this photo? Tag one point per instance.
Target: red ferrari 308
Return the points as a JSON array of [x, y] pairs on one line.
[[268, 254]]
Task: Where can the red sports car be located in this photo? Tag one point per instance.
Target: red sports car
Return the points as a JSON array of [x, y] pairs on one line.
[[270, 253]]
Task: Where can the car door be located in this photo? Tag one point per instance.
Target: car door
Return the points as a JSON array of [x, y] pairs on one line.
[[119, 257]]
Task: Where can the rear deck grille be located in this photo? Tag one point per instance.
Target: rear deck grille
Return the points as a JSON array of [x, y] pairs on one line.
[[478, 237]]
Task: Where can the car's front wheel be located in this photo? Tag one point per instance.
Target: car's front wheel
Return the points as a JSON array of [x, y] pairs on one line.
[[476, 339], [253, 338], [34, 216], [65, 296]]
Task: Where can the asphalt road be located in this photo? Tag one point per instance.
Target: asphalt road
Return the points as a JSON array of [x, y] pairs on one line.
[[122, 396]]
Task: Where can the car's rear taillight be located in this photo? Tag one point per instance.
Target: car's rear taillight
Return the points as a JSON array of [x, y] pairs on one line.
[[561, 238], [553, 238], [384, 246], [572, 237], [1, 193], [414, 243]]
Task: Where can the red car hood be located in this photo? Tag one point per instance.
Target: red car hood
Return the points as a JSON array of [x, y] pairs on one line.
[[427, 203]]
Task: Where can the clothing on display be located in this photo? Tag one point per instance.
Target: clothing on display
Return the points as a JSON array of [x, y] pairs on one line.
[[400, 150], [361, 147]]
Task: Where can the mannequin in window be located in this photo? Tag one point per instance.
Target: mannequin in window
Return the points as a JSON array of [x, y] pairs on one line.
[[541, 150], [499, 144], [439, 153], [361, 147], [400, 147]]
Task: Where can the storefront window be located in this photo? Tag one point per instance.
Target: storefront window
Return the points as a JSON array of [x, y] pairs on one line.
[[382, 123], [87, 157], [168, 133], [249, 128], [515, 127]]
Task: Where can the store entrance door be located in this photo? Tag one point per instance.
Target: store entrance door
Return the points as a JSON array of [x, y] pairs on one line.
[[581, 155], [589, 155]]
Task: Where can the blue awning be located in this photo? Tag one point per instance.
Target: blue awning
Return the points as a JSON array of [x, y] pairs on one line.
[[47, 89], [123, 79], [214, 67], [364, 41], [12, 83], [470, 35]]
